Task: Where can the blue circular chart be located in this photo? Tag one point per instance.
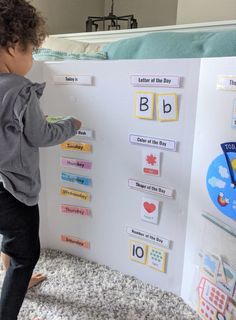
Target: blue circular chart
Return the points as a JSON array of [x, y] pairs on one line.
[[221, 185]]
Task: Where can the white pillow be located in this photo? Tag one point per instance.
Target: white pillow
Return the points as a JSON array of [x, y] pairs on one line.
[[71, 46]]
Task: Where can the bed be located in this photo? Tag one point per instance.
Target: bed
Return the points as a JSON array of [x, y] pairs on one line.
[[215, 39]]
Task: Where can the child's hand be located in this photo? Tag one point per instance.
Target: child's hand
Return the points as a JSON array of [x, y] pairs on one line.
[[77, 123]]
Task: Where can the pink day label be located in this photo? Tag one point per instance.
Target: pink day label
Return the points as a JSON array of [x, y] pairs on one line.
[[76, 163], [67, 209]]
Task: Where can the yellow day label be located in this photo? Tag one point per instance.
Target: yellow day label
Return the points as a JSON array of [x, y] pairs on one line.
[[76, 146], [75, 194]]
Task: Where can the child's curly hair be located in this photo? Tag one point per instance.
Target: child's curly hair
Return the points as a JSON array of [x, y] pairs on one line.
[[20, 23]]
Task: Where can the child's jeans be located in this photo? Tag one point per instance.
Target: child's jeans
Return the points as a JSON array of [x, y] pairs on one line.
[[19, 225]]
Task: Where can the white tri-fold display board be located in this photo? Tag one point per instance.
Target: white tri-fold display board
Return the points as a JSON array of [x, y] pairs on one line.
[[131, 188]]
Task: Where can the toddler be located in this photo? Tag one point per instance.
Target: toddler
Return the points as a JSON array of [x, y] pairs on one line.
[[23, 129]]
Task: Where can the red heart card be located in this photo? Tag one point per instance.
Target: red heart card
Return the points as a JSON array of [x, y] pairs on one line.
[[149, 207]]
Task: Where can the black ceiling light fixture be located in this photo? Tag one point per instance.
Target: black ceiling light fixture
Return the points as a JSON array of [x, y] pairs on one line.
[[110, 22]]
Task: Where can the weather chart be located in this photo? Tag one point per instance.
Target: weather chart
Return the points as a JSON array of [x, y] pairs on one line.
[[221, 180]]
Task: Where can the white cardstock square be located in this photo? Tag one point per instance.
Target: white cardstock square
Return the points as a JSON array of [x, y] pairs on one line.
[[150, 210], [151, 162]]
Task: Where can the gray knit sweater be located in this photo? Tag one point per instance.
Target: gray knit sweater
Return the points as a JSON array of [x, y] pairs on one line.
[[23, 129]]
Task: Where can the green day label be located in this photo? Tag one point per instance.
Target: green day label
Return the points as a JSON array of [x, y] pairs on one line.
[[53, 119]]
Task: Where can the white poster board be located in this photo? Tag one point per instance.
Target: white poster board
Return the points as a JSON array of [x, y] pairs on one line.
[[107, 106]]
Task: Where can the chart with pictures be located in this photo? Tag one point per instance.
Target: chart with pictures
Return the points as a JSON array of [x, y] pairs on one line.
[[210, 254]]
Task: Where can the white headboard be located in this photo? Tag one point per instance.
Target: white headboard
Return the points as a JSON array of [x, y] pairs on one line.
[[110, 36]]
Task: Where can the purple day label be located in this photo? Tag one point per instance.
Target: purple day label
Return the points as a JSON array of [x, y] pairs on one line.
[[76, 163]]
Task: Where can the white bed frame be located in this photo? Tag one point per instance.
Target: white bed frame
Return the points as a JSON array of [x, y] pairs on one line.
[[110, 36]]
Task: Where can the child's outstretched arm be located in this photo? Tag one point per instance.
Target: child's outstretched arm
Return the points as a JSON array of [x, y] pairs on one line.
[[37, 131]]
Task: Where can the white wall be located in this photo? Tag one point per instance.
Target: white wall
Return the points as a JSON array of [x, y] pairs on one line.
[[149, 13], [192, 11], [68, 16]]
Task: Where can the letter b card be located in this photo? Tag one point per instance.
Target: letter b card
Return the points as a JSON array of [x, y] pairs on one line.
[[144, 105], [167, 107]]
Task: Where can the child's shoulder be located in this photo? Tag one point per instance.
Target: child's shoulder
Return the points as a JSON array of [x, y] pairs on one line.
[[14, 84], [13, 80], [17, 91]]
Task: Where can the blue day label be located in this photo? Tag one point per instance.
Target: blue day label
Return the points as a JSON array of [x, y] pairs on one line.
[[74, 178]]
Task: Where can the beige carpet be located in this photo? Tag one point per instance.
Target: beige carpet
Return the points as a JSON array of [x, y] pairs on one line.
[[78, 289]]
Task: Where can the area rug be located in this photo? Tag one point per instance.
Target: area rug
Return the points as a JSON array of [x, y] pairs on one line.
[[78, 289]]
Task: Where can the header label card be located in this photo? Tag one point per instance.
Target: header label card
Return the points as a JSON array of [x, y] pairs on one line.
[[85, 133], [137, 233], [153, 142], [155, 81], [151, 188], [84, 80], [234, 115], [226, 83]]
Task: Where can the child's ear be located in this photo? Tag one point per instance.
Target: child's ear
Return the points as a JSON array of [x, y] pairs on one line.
[[11, 51]]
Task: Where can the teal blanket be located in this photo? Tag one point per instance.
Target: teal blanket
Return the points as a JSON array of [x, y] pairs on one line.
[[43, 54], [169, 45]]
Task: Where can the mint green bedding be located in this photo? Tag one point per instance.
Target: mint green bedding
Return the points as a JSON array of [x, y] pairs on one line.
[[43, 54], [168, 45]]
